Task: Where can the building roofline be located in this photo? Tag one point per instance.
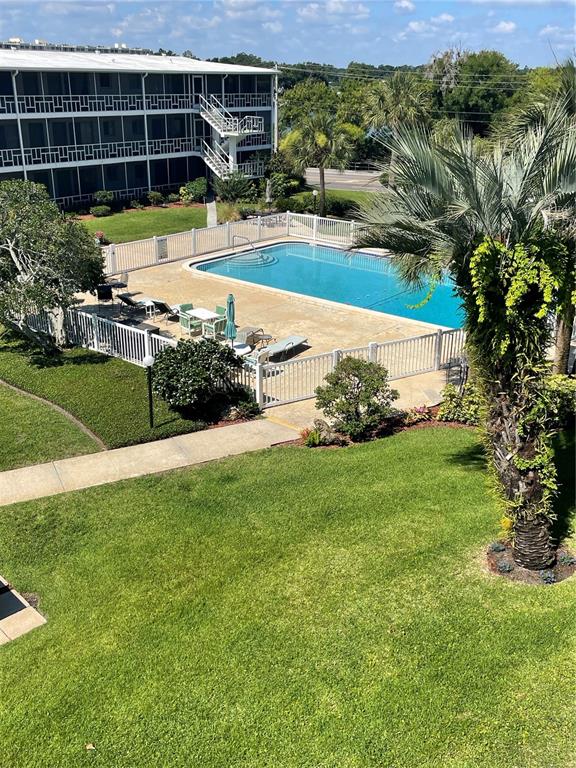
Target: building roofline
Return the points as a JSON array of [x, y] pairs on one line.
[[69, 61]]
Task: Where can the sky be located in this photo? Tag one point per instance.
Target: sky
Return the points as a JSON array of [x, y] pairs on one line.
[[530, 32]]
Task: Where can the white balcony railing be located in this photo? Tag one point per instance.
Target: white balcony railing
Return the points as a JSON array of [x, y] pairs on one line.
[[7, 105], [244, 100], [10, 158], [216, 114], [109, 151], [256, 140], [54, 105]]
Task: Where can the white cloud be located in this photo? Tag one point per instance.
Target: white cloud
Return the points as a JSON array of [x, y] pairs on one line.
[[404, 5], [443, 18], [310, 11], [504, 27], [418, 26], [273, 26]]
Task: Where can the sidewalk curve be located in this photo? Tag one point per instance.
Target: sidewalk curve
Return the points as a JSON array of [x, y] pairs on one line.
[[72, 474]]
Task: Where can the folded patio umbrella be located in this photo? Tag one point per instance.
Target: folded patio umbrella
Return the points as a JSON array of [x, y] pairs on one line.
[[230, 329]]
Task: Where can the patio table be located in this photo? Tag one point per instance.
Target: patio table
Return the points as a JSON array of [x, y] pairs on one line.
[[203, 314]]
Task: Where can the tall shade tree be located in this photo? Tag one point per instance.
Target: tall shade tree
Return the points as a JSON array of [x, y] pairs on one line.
[[402, 100], [46, 257], [320, 141], [536, 113], [483, 218]]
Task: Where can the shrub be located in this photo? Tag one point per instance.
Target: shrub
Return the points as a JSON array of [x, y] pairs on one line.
[[505, 567], [312, 438], [357, 397], [228, 212], [100, 210], [193, 373], [100, 237], [245, 407], [104, 196], [173, 198], [562, 405], [235, 187], [464, 407], [280, 185], [194, 191], [416, 415], [244, 211], [136, 204], [155, 198]]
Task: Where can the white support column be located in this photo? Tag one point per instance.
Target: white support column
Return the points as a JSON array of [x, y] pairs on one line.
[[275, 111], [156, 249], [438, 361], [144, 76], [373, 352], [315, 228], [259, 230], [193, 233], [336, 357], [233, 152], [19, 123], [228, 234], [287, 223]]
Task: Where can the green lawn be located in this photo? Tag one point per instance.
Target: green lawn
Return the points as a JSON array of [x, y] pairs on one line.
[[139, 224], [286, 609], [31, 432], [108, 395], [356, 196]]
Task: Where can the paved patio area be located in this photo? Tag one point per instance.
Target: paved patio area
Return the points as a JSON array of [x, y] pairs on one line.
[[326, 325], [16, 614], [414, 391]]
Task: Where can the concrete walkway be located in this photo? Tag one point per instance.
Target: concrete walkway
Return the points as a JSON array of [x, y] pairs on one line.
[[79, 472]]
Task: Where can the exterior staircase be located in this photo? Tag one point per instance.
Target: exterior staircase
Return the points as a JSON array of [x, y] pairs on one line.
[[224, 122], [222, 164]]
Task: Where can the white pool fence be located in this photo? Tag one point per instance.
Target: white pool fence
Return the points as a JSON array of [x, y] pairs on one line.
[[194, 243], [271, 383]]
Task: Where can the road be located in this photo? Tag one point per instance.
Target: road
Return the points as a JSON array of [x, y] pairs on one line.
[[365, 181]]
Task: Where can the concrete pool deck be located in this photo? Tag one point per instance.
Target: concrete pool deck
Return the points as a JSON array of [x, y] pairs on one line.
[[327, 325]]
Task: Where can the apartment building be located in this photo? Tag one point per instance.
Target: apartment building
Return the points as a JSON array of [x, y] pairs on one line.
[[81, 121]]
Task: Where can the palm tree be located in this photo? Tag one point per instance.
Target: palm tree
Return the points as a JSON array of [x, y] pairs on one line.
[[485, 219], [527, 117], [319, 141], [402, 100]]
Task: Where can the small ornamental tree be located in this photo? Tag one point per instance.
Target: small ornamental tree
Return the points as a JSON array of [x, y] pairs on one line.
[[356, 397], [193, 373], [46, 258]]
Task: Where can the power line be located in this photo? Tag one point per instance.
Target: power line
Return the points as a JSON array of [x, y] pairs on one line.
[[367, 71], [503, 85]]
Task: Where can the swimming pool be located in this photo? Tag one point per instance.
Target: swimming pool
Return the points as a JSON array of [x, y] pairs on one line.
[[359, 279]]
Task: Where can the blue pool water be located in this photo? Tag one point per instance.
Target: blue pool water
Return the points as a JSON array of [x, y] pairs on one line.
[[359, 279]]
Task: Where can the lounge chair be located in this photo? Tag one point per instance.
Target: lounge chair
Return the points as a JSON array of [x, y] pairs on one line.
[[280, 348], [129, 303], [163, 308], [249, 334]]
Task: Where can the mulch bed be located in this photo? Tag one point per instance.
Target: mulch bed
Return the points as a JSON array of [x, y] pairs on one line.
[[501, 563]]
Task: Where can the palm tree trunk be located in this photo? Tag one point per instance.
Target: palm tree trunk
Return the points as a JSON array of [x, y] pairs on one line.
[[564, 326], [391, 177], [322, 207], [532, 545]]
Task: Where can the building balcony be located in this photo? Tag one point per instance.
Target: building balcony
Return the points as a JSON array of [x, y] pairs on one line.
[[75, 105], [246, 100], [263, 139], [90, 153]]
